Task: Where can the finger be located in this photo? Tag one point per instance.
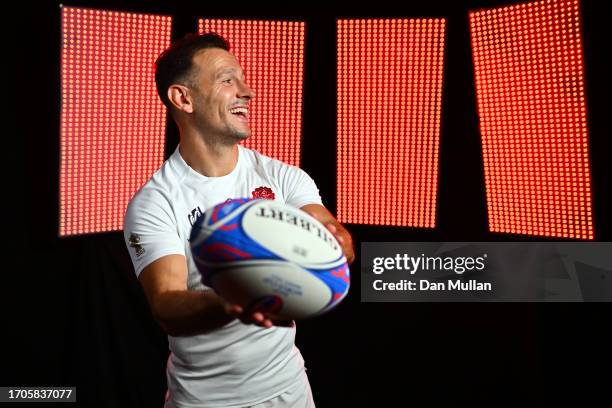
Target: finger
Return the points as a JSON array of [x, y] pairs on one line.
[[234, 310], [258, 317], [251, 319]]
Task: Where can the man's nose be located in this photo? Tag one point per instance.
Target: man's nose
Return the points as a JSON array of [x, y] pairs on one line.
[[245, 92]]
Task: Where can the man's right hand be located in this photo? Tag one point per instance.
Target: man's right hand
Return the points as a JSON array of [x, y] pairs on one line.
[[181, 312], [257, 318]]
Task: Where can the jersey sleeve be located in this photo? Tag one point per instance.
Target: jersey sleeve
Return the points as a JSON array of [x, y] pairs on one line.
[[299, 188], [149, 230]]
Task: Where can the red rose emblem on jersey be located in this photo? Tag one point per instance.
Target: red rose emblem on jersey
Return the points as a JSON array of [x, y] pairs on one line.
[[263, 192]]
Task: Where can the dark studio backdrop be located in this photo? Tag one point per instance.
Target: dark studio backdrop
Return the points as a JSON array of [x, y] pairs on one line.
[[74, 313]]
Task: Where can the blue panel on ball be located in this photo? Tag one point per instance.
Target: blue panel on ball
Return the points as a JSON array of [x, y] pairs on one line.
[[337, 279], [228, 242], [221, 210]]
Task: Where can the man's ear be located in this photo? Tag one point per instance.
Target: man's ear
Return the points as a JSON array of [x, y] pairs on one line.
[[180, 98]]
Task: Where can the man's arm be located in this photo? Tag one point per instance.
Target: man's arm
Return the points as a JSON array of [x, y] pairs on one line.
[[342, 235], [181, 312]]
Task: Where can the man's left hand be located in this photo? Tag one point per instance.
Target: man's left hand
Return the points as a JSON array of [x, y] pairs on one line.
[[342, 235]]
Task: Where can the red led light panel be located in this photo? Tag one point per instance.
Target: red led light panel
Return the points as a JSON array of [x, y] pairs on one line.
[[112, 121], [530, 92], [389, 76], [272, 56]]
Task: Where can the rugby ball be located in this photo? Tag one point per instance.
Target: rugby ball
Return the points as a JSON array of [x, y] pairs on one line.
[[270, 257]]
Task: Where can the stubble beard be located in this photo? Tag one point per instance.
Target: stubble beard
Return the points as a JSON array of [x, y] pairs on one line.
[[228, 136]]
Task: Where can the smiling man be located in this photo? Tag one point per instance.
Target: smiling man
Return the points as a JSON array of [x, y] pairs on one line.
[[221, 356]]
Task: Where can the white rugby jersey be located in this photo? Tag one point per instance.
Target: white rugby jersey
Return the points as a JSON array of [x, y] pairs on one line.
[[238, 364]]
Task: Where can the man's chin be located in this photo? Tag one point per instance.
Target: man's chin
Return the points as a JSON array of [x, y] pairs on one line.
[[234, 138], [240, 136]]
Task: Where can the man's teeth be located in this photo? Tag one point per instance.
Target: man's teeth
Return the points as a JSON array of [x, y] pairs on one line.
[[239, 110]]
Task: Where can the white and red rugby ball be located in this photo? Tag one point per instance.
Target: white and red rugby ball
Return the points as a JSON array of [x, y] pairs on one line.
[[270, 257]]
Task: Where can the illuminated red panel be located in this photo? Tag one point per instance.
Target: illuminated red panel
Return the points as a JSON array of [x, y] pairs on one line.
[[272, 56], [112, 122], [530, 91], [389, 98]]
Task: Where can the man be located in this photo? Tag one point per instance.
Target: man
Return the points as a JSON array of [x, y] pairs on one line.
[[221, 356]]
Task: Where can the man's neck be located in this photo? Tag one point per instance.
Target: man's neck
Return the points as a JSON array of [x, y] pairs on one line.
[[208, 159]]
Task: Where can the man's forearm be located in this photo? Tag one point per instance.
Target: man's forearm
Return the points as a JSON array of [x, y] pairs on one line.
[[347, 242], [186, 313]]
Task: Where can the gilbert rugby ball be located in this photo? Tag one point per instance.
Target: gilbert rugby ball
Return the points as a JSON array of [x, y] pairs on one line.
[[270, 257]]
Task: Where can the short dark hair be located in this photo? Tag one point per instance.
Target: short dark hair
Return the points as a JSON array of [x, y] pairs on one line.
[[175, 64]]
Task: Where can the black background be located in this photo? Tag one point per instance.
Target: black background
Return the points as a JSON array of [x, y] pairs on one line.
[[74, 314]]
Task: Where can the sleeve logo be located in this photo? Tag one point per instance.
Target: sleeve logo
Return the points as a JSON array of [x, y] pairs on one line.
[[135, 243]]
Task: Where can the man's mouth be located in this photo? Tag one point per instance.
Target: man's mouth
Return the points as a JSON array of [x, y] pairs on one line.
[[241, 112]]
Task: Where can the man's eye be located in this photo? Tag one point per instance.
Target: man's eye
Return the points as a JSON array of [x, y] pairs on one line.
[[227, 81]]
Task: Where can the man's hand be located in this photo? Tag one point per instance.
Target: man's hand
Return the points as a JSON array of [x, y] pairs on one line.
[[342, 235], [256, 318]]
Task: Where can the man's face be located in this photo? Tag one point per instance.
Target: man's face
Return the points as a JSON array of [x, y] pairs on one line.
[[221, 96]]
